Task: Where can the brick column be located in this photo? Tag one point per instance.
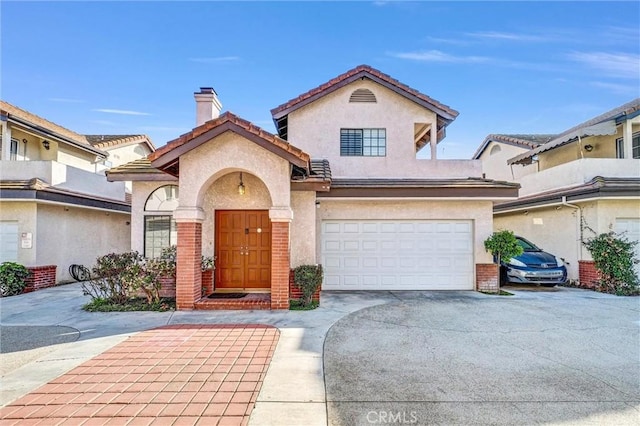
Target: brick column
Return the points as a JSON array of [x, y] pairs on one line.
[[588, 274], [487, 277], [280, 265], [188, 271]]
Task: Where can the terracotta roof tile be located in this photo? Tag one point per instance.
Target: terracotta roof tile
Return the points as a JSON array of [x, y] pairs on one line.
[[365, 69], [36, 120], [526, 141], [109, 141], [231, 118]]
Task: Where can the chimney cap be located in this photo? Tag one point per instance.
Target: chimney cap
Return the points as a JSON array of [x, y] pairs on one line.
[[206, 90]]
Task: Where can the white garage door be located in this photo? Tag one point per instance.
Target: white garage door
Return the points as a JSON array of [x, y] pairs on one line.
[[8, 241], [397, 255], [631, 230]]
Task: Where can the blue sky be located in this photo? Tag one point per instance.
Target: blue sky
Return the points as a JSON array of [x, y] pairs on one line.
[[132, 67]]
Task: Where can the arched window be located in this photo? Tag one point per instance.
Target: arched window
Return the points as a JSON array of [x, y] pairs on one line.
[[496, 149], [362, 95], [160, 229]]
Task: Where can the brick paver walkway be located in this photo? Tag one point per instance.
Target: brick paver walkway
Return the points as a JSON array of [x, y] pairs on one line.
[[174, 375]]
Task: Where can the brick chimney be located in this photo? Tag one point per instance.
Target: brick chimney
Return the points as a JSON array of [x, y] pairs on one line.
[[208, 105]]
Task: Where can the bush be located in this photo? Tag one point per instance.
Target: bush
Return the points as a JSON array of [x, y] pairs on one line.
[[503, 245], [111, 276], [614, 258], [169, 256], [13, 278], [308, 279]]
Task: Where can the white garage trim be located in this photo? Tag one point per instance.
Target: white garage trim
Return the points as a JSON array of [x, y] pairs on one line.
[[398, 254]]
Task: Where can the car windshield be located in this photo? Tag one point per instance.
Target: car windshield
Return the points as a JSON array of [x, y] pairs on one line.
[[526, 245]]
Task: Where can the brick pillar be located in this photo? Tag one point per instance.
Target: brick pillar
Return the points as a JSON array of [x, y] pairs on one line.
[[188, 271], [487, 277], [280, 265], [588, 274], [207, 282], [40, 277]]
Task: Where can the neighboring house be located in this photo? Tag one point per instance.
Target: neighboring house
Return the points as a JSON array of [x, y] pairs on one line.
[[56, 206], [586, 178], [339, 185]]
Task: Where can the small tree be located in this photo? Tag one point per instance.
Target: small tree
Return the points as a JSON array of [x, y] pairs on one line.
[[503, 245], [12, 278], [308, 279], [614, 258]]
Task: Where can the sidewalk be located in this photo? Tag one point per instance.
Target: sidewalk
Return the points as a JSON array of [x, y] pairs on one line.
[[292, 390]]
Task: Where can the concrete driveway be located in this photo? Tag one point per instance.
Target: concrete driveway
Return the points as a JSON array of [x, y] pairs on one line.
[[564, 356]]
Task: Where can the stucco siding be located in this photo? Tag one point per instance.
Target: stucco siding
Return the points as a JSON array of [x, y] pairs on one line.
[[25, 216], [303, 228], [124, 154], [479, 211], [494, 166], [230, 152], [603, 147], [315, 128]]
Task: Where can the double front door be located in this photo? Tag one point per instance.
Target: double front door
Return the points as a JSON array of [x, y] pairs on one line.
[[243, 250]]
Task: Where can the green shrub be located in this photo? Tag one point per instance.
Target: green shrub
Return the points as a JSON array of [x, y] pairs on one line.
[[308, 279], [614, 258], [503, 245], [13, 278], [111, 276]]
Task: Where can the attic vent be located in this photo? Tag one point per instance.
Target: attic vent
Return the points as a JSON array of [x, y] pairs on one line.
[[362, 95]]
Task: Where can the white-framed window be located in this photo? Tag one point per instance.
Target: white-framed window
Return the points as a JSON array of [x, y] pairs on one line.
[[13, 150], [363, 142], [160, 229], [635, 147]]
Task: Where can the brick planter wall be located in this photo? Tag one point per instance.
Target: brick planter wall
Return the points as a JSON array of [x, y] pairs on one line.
[[207, 282], [588, 274], [40, 277], [168, 287], [487, 277], [296, 293]]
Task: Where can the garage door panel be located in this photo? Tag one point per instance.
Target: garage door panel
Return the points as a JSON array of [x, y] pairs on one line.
[[401, 255]]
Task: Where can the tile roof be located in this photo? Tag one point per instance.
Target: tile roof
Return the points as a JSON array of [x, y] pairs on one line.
[[140, 169], [37, 121], [111, 141], [357, 72], [527, 141], [234, 120]]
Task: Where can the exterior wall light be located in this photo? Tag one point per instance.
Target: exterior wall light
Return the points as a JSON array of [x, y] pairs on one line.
[[46, 145], [241, 188], [588, 148]]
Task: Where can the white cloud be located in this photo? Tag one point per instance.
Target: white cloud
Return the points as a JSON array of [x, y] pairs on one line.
[[622, 65], [438, 56], [618, 89], [65, 100], [216, 59], [453, 41], [496, 35], [120, 111]]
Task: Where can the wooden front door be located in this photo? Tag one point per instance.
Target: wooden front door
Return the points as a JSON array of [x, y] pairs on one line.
[[243, 250]]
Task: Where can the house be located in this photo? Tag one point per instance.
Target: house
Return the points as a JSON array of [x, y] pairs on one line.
[[583, 180], [56, 206], [340, 184]]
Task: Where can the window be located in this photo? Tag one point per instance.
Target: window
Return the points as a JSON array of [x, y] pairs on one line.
[[159, 232], [363, 142], [635, 147], [160, 229], [13, 153]]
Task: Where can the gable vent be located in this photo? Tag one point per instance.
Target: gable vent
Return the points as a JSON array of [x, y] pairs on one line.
[[362, 95]]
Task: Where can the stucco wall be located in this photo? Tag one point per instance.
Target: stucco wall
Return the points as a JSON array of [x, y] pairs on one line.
[[479, 211], [315, 128], [495, 166], [124, 154], [223, 195], [558, 231], [603, 147], [303, 228], [141, 191], [25, 215], [231, 153]]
